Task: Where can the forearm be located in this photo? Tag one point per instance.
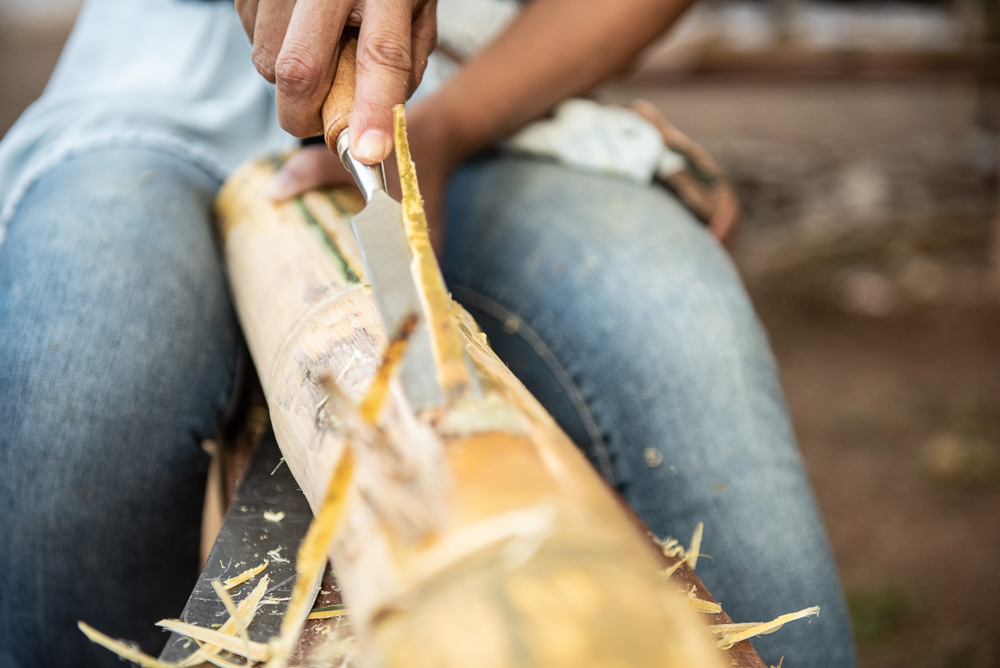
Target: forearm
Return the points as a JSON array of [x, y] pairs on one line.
[[554, 49]]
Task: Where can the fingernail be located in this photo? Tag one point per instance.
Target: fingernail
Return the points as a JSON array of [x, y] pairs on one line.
[[279, 188], [373, 146]]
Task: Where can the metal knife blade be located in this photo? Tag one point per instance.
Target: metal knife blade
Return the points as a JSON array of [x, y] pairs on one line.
[[386, 255]]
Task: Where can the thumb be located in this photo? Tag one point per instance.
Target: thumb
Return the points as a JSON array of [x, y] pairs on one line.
[[308, 168]]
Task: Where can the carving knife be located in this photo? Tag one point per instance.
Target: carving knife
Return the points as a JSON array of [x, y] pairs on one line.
[[385, 251]]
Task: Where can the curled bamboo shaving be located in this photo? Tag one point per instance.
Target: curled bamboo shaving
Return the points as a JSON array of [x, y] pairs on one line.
[[256, 651], [311, 559], [446, 340], [239, 579], [672, 549], [247, 609], [121, 649], [727, 635]]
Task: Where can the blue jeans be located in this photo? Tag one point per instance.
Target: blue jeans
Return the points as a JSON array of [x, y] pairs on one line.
[[119, 349], [629, 323]]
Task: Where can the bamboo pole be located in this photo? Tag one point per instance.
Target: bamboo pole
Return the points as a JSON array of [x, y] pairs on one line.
[[473, 534]]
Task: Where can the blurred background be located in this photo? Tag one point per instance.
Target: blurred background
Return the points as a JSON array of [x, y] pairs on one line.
[[863, 139]]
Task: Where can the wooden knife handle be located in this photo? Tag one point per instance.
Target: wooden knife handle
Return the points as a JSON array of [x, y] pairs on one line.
[[340, 100]]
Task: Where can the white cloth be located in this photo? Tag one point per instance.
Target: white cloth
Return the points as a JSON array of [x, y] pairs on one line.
[[580, 133]]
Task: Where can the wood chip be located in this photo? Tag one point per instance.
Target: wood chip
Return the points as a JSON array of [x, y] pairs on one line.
[[248, 574], [694, 551], [728, 635]]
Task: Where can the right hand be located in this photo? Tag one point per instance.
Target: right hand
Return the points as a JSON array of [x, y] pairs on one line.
[[295, 46]]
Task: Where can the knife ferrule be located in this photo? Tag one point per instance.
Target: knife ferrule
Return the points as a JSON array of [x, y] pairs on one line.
[[369, 178]]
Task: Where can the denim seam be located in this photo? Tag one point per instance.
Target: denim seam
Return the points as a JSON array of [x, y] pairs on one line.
[[120, 137], [532, 337]]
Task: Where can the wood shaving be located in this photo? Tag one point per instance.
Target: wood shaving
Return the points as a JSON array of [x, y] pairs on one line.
[[251, 650], [234, 614], [121, 649], [700, 604], [667, 572], [672, 549], [248, 574], [728, 635], [275, 555], [247, 609], [694, 551]]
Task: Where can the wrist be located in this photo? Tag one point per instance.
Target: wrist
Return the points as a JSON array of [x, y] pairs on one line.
[[447, 128]]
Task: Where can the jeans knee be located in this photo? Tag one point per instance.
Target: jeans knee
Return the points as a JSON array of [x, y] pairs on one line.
[[118, 345]]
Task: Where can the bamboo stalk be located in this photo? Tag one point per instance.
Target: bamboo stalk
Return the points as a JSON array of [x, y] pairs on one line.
[[472, 534]]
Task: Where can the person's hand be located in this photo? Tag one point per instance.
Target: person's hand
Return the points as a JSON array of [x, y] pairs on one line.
[[434, 152], [295, 46]]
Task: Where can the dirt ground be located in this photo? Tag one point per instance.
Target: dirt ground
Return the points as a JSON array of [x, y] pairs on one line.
[[867, 247]]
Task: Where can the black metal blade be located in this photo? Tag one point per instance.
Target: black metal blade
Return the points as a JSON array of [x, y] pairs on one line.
[[245, 540]]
